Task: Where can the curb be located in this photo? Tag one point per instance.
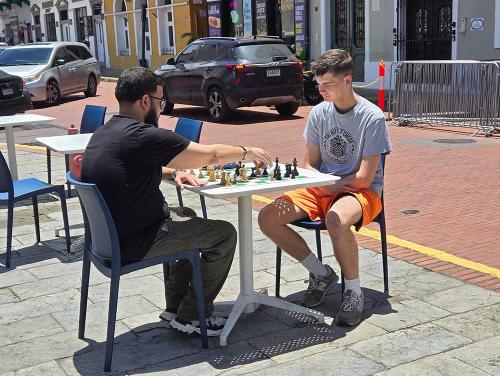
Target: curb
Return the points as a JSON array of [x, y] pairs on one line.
[[109, 79]]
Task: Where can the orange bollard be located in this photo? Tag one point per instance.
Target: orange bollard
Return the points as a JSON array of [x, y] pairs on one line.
[[381, 74]]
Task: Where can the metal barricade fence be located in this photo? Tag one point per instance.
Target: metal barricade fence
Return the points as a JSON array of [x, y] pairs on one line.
[[448, 93]]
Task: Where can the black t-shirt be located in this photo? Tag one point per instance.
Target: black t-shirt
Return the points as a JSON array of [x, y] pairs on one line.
[[124, 159]]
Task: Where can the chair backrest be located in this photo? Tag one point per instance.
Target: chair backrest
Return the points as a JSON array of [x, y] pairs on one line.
[[105, 243], [93, 118], [6, 184], [189, 129]]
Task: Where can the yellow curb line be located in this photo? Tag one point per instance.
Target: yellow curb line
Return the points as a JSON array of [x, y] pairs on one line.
[[428, 251], [24, 147]]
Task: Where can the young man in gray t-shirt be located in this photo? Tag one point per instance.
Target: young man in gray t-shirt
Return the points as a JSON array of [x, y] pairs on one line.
[[346, 136]]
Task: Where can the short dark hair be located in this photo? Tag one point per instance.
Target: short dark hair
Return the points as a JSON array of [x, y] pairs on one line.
[[334, 61], [134, 83]]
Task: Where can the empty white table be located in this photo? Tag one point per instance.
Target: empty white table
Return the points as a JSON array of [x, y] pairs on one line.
[[248, 298], [9, 122]]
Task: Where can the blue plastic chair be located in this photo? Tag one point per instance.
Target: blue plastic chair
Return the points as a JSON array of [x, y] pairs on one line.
[[92, 119], [191, 130], [14, 191], [319, 225], [102, 248]]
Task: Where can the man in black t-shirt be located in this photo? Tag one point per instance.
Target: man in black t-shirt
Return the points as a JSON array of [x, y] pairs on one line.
[[127, 158]]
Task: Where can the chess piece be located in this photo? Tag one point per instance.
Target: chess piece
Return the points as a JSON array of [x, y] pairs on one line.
[[277, 163], [200, 173], [191, 172], [228, 180], [253, 174], [235, 178], [295, 171], [217, 175], [278, 173], [211, 176], [257, 171], [223, 178], [287, 170], [244, 177], [265, 173]]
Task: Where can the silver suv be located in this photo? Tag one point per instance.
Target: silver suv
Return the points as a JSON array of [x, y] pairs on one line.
[[51, 70]]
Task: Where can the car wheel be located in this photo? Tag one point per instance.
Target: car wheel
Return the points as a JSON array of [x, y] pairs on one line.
[[169, 107], [53, 93], [91, 87], [217, 106], [287, 109]]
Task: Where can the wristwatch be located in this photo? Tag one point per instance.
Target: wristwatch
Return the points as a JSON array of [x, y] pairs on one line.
[[244, 153]]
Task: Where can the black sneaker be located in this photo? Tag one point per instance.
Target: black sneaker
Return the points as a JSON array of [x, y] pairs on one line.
[[169, 314], [351, 309], [318, 287], [215, 324]]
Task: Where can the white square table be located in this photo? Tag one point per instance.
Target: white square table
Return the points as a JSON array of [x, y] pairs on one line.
[[248, 298], [9, 122]]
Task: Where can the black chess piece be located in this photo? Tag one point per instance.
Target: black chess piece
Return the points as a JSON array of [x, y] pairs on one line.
[[278, 173], [265, 173], [287, 170], [295, 171], [277, 163], [237, 170], [252, 175]]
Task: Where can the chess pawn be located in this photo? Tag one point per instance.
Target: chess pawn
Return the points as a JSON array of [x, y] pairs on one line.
[[217, 175], [223, 178], [257, 171], [253, 174], [200, 173], [265, 173], [211, 176], [235, 178], [244, 176], [191, 172]]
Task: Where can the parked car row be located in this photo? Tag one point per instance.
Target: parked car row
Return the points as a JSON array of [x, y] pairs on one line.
[[50, 71]]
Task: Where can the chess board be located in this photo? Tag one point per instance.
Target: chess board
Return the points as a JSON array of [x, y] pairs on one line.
[[261, 184]]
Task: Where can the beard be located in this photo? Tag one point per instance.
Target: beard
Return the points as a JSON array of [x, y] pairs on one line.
[[151, 118]]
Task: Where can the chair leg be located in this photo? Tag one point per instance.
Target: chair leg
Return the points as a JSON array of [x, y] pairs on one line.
[[10, 225], [343, 284], [110, 338], [84, 295], [383, 239], [200, 298], [166, 272], [49, 167], [37, 219], [65, 218], [278, 271], [318, 245], [179, 197], [66, 160], [203, 206]]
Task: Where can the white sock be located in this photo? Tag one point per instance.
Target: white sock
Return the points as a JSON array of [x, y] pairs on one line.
[[312, 263], [353, 285]]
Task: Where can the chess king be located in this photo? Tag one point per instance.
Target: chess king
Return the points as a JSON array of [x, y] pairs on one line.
[[345, 135]]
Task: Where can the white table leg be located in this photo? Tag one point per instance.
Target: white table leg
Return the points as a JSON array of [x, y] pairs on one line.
[[248, 300], [11, 148]]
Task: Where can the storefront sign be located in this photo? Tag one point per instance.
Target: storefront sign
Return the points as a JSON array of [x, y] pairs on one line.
[[247, 18], [301, 40], [214, 19], [261, 17]]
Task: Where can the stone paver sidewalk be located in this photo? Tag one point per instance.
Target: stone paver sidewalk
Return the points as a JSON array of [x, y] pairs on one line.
[[431, 324]]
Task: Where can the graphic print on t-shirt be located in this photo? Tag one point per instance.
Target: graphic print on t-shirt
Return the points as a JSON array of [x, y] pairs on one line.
[[340, 144]]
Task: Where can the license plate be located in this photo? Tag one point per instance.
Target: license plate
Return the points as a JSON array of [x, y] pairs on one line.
[[273, 72], [7, 91]]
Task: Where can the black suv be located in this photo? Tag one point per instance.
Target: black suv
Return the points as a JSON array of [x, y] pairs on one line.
[[226, 73]]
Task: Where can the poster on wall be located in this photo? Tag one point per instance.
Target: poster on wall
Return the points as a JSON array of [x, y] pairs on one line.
[[247, 18], [261, 17], [301, 40], [236, 14], [214, 19]]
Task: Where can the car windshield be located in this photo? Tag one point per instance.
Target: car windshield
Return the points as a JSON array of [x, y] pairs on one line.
[[25, 56], [264, 53]]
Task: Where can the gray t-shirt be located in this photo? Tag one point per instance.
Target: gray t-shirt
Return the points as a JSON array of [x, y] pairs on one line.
[[344, 139]]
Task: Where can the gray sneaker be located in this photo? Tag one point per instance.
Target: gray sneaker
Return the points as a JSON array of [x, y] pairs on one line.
[[351, 309], [318, 287]]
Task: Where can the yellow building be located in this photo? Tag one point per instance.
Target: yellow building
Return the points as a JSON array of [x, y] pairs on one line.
[[167, 21]]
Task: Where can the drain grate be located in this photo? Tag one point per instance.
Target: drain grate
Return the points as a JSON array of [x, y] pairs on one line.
[[410, 211], [455, 141]]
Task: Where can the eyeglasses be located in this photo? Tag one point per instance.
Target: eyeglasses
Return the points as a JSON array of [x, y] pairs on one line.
[[163, 101]]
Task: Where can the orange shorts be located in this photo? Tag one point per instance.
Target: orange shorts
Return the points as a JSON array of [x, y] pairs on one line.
[[317, 207]]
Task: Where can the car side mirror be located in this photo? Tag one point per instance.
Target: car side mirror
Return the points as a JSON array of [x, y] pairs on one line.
[[60, 62], [170, 61]]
